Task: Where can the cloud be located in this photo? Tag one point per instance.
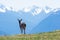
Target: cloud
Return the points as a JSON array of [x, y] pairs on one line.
[[20, 4]]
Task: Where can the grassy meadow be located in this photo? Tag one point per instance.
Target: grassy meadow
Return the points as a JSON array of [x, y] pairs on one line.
[[55, 35]]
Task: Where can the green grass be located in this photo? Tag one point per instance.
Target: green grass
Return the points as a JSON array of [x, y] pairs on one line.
[[55, 35]]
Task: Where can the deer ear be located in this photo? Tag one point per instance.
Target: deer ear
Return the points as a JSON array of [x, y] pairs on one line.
[[21, 19]]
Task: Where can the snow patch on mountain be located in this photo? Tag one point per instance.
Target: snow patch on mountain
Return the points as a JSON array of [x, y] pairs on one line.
[[37, 11], [2, 10]]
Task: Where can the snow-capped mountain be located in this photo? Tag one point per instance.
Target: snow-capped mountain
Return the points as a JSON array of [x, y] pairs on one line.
[[34, 10], [37, 10]]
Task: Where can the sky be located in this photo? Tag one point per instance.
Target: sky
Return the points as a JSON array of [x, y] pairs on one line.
[[20, 4]]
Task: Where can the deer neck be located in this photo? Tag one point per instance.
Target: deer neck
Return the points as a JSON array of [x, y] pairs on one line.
[[20, 22]]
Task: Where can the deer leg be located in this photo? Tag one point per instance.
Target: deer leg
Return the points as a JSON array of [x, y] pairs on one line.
[[24, 30], [21, 30]]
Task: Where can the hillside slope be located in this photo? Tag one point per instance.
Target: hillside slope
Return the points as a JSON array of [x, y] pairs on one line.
[[52, 22], [55, 35]]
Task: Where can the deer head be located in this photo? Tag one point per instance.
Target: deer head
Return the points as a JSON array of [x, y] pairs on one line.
[[19, 21]]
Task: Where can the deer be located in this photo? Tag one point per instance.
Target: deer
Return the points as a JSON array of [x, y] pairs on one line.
[[22, 26]]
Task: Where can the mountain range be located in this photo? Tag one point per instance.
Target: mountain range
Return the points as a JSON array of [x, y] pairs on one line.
[[37, 20]]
